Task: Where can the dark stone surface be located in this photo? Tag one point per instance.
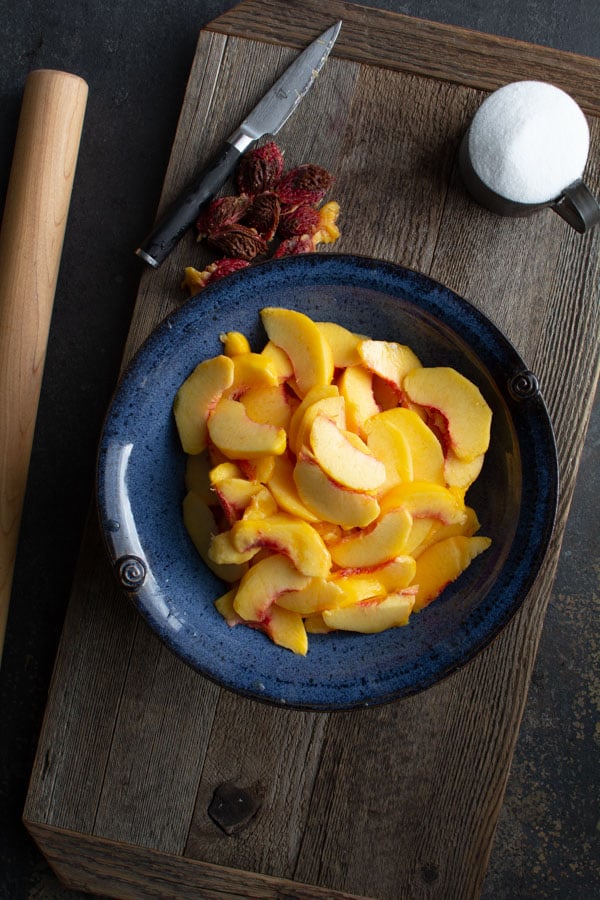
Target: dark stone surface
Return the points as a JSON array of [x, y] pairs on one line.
[[136, 59]]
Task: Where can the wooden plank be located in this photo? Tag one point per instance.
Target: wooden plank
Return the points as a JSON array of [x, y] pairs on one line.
[[134, 744], [444, 52], [128, 872]]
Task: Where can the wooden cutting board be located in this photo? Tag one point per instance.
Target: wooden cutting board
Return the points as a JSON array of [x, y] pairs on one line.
[[397, 801]]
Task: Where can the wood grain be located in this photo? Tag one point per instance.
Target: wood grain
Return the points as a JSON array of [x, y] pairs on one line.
[[395, 802], [31, 239]]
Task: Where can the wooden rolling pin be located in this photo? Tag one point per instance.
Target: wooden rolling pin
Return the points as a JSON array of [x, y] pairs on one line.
[[31, 240]]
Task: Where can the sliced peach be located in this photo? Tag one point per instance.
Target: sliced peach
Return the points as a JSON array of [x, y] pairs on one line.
[[328, 500], [234, 343], [260, 468], [278, 360], [333, 408], [318, 594], [389, 445], [358, 586], [396, 574], [197, 478], [262, 504], [200, 524], [222, 471], [425, 500], [197, 397], [269, 404], [238, 436], [343, 343], [438, 531], [442, 563], [356, 387], [314, 624], [234, 495], [459, 402], [284, 490], [221, 551], [384, 540], [373, 616], [305, 345], [461, 474], [286, 629], [224, 605], [344, 457], [426, 455], [250, 370], [263, 583], [388, 360], [313, 396], [286, 535]]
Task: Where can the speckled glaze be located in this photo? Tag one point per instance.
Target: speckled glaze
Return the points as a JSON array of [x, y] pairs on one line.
[[140, 486]]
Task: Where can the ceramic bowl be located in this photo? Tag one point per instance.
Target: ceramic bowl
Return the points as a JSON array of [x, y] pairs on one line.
[[140, 486]]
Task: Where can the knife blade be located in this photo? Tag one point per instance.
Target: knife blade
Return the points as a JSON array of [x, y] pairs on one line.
[[267, 117]]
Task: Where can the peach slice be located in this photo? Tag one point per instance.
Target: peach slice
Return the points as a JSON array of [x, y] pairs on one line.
[[426, 455], [315, 395], [328, 500], [234, 343], [319, 594], [388, 360], [343, 343], [373, 616], [263, 583], [269, 404], [439, 532], [200, 524], [234, 495], [278, 360], [388, 444], [344, 457], [259, 468], [307, 348], [356, 387], [331, 407], [262, 504], [465, 412], [442, 563], [358, 587], [314, 624], [425, 500], [385, 539], [196, 478], [224, 605], [396, 574], [250, 370], [238, 436], [461, 474], [286, 629], [221, 551], [197, 397], [284, 490], [284, 534]]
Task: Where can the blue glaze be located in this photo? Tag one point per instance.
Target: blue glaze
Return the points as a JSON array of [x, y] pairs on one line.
[[140, 485]]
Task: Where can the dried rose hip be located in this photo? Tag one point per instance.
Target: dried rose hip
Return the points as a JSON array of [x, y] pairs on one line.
[[263, 214], [304, 184], [260, 169], [239, 241], [221, 212]]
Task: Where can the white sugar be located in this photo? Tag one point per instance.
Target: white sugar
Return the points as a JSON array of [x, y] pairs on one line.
[[528, 141]]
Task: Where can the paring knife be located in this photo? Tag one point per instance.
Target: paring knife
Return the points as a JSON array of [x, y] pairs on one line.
[[267, 117]]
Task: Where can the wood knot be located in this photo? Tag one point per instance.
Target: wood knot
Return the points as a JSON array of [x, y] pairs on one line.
[[232, 808]]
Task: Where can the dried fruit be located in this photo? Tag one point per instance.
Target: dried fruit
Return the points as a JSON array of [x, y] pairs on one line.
[[238, 240], [263, 214], [260, 169], [220, 213], [305, 184], [194, 281], [302, 219], [302, 243]]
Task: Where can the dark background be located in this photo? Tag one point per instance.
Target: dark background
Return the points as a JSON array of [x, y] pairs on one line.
[[136, 58]]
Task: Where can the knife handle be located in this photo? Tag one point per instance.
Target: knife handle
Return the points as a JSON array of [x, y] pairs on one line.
[[171, 227]]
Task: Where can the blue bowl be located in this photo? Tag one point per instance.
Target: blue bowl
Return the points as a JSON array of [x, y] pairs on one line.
[[140, 486]]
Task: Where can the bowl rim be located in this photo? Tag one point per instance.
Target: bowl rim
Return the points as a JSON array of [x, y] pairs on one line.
[[440, 302]]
